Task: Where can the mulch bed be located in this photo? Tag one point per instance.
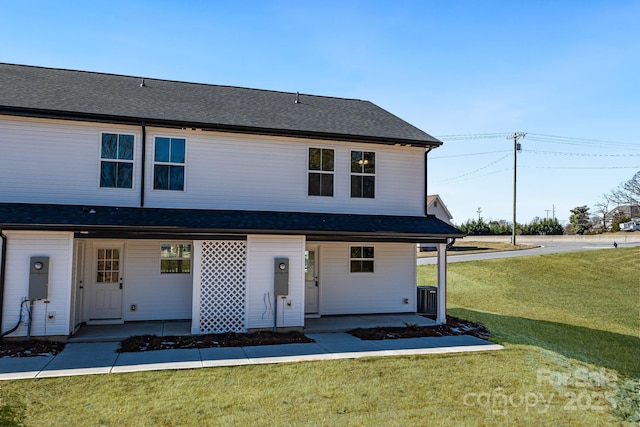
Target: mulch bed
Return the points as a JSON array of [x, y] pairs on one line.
[[29, 348], [454, 326], [229, 339]]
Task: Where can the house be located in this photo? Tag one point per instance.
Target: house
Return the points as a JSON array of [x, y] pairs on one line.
[[435, 206], [622, 211], [130, 199]]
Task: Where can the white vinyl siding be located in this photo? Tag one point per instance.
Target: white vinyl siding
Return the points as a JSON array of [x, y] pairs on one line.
[[229, 171], [52, 161], [222, 171], [21, 246], [383, 291], [156, 296], [261, 251]]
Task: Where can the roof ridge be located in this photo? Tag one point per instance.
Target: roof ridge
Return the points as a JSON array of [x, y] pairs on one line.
[[179, 81]]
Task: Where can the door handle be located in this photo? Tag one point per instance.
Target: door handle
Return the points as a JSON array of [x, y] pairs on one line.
[[120, 285], [316, 282]]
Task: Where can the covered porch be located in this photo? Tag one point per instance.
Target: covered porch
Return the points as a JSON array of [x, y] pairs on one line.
[[326, 324], [349, 322]]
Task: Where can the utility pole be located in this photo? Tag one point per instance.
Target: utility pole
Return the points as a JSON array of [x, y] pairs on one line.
[[547, 211], [516, 147], [554, 211], [479, 212]]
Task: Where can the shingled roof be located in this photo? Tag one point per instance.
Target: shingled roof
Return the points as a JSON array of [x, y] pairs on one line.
[[198, 222], [82, 95]]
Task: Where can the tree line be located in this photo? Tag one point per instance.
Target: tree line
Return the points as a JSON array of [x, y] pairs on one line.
[[581, 220], [547, 226]]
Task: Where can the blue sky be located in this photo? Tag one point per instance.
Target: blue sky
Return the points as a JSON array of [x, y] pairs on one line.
[[567, 69]]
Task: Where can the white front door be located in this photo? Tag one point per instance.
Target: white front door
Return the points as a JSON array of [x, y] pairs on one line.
[[311, 283], [106, 296]]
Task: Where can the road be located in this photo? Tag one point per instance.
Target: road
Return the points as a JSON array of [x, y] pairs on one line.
[[545, 248]]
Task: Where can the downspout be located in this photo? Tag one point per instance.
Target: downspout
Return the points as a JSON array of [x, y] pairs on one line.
[[426, 192], [3, 266], [143, 162]]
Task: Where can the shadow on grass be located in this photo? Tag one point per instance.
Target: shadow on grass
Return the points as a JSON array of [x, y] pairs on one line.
[[467, 249], [602, 348]]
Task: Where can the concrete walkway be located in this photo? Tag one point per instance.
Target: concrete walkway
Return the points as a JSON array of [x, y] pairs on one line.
[[101, 357]]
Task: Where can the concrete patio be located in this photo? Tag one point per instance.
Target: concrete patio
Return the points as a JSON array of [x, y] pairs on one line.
[[102, 333]]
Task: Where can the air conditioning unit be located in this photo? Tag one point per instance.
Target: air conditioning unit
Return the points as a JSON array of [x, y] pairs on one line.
[[428, 300]]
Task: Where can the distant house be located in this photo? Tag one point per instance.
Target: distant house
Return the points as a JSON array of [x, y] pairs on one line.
[[630, 211], [436, 207], [128, 199]]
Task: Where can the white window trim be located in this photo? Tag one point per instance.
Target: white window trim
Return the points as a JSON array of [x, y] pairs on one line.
[[100, 159], [375, 174], [153, 163], [161, 258], [333, 172], [364, 245]]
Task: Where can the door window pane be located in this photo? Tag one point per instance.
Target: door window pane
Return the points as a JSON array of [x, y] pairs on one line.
[[309, 266]]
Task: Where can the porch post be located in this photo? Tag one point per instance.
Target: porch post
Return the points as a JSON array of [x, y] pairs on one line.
[[442, 284]]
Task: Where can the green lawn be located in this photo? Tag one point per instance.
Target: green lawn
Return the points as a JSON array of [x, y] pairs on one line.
[[569, 324]]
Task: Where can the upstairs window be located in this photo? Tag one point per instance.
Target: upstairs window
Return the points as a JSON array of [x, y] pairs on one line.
[[168, 166], [361, 259], [116, 161], [175, 258], [321, 170], [363, 178]]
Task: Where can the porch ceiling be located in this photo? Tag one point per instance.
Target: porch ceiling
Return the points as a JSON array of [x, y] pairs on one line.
[[109, 221]]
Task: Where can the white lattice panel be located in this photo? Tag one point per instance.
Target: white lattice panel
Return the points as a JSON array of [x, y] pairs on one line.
[[223, 286]]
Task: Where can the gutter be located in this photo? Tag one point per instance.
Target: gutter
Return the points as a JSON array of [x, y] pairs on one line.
[[3, 265], [143, 162], [215, 127], [426, 192]]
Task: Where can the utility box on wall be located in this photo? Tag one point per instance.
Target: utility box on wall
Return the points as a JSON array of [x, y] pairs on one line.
[[38, 278], [281, 276]]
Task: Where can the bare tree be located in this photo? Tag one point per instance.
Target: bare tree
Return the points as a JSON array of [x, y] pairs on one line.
[[628, 193], [602, 209]]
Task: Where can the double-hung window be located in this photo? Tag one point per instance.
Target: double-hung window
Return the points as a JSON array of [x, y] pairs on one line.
[[168, 164], [116, 161], [361, 259], [363, 174], [321, 171], [175, 258]]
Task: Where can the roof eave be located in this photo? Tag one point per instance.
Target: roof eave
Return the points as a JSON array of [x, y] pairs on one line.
[[101, 231], [216, 127]]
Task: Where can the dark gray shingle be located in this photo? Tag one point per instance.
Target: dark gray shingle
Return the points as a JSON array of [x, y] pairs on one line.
[[195, 221], [38, 90]]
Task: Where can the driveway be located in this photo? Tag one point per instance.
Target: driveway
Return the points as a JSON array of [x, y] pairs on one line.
[[545, 248]]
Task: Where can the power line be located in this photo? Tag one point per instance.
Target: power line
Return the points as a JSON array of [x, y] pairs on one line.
[[468, 136], [470, 154], [473, 177], [542, 137], [560, 153], [476, 170], [569, 138], [581, 167]]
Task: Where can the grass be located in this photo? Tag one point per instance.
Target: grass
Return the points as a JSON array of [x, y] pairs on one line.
[[558, 316]]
